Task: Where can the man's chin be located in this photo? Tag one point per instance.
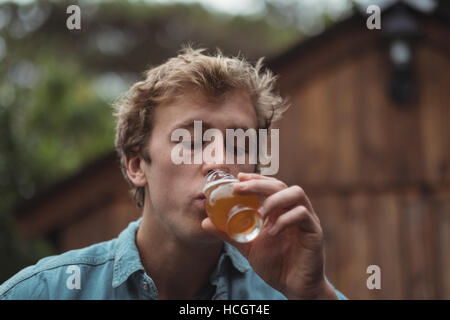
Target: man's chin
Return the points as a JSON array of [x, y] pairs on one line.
[[201, 236], [195, 232]]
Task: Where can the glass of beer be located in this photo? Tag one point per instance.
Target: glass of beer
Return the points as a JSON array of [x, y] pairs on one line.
[[235, 214]]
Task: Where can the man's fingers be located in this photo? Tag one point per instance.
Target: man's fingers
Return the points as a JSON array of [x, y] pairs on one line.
[[283, 199], [243, 176], [262, 187], [278, 195], [296, 216]]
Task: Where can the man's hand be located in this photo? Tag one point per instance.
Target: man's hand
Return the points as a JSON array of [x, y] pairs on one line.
[[288, 254]]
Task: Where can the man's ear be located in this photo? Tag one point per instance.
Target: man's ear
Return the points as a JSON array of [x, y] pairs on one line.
[[135, 169]]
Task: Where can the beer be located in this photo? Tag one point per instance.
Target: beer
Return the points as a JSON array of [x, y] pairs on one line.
[[235, 214]]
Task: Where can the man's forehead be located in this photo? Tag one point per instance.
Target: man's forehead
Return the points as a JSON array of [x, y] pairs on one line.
[[234, 110]]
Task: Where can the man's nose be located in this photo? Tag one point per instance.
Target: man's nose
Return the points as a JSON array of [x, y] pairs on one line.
[[219, 162]]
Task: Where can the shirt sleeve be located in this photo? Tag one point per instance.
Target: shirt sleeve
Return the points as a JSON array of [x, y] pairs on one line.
[[33, 288], [338, 293]]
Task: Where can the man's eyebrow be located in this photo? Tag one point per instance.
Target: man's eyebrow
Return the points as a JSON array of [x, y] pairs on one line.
[[189, 124]]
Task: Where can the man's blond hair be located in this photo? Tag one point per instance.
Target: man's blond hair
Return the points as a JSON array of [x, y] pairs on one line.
[[214, 75]]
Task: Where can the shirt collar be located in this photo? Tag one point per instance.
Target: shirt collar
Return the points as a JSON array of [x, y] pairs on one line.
[[237, 259], [127, 260]]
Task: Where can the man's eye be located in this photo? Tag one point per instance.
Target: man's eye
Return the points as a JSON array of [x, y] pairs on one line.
[[187, 144], [237, 150], [192, 145]]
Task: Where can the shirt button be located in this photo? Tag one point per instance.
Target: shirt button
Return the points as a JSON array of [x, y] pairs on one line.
[[145, 285]]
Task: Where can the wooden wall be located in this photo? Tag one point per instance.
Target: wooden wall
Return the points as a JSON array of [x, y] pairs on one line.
[[378, 175], [90, 207]]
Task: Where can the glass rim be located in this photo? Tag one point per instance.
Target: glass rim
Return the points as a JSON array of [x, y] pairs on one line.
[[211, 184]]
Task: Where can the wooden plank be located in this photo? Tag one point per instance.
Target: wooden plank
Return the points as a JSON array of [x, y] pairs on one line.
[[431, 246], [124, 210], [404, 150], [329, 212], [434, 113], [304, 132], [414, 246], [374, 124], [48, 216], [442, 278], [90, 228], [355, 258], [384, 229], [344, 137]]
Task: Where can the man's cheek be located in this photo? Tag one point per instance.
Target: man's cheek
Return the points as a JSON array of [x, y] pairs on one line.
[[170, 194]]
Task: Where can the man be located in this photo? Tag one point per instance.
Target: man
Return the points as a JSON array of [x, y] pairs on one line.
[[174, 251]]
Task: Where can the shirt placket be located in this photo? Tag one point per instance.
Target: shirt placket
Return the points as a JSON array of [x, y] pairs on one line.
[[219, 279], [148, 290]]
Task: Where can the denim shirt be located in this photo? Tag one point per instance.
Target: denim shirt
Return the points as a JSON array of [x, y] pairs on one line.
[[113, 270]]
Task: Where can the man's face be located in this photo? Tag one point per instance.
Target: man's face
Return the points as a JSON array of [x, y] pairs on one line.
[[174, 191]]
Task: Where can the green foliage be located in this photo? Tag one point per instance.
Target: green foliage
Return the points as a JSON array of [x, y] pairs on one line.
[[47, 132], [65, 119]]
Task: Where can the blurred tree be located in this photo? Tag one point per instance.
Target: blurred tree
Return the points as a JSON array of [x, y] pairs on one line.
[[47, 131]]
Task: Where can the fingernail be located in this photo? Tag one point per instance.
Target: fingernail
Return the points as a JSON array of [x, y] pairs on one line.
[[272, 231], [261, 211], [242, 176], [242, 185], [267, 224]]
